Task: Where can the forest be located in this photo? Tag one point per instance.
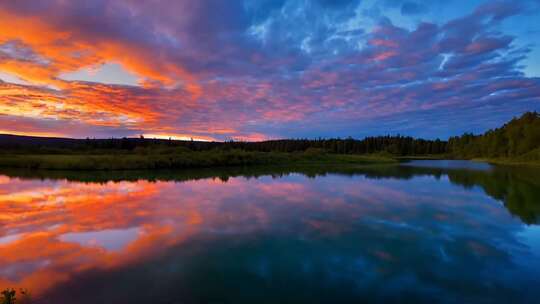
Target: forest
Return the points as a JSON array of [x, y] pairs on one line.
[[518, 139], [395, 145]]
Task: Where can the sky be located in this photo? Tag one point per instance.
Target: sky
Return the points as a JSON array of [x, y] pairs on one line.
[[266, 69]]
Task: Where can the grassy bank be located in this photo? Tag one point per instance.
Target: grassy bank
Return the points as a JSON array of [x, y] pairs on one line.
[[180, 159], [509, 161], [532, 158]]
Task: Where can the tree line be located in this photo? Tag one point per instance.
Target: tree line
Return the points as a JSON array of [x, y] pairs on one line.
[[519, 137], [396, 145]]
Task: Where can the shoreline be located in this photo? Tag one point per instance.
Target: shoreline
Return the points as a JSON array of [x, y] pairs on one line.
[[214, 159], [507, 162]]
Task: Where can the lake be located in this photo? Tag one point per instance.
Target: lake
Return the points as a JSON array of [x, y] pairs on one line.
[[422, 232]]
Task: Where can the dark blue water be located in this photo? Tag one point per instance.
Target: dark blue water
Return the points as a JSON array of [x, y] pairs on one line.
[[397, 234]]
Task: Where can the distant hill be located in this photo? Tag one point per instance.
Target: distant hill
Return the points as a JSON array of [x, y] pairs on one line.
[[15, 143], [7, 140]]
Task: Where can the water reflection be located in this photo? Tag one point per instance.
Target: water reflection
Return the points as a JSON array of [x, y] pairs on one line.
[[449, 164], [268, 235]]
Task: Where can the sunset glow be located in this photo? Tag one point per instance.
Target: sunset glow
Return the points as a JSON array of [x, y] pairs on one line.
[[254, 70], [269, 151]]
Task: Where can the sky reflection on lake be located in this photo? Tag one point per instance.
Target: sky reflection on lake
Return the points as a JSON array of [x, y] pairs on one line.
[[428, 236]]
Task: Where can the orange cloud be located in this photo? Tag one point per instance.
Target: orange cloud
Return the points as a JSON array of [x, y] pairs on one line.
[[96, 104], [69, 49]]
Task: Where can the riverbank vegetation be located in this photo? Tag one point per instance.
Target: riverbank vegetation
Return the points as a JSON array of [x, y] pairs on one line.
[[10, 296], [179, 158]]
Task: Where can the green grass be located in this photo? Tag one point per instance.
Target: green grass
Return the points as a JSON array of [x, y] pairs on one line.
[[180, 159], [509, 161], [531, 158]]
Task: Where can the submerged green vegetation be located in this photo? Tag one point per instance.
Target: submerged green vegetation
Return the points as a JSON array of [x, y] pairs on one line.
[[517, 142]]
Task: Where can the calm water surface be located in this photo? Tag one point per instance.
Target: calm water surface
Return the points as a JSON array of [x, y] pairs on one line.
[[421, 232]]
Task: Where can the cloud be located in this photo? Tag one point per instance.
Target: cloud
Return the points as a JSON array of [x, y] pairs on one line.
[[255, 69], [412, 8]]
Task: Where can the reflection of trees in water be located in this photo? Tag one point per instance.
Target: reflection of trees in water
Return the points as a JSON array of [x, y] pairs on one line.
[[517, 187]]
